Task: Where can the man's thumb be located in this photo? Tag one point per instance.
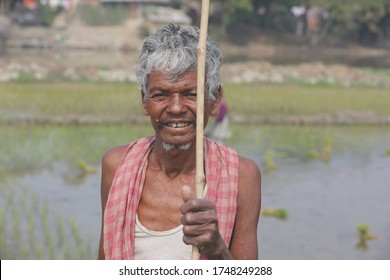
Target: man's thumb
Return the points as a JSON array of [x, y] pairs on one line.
[[187, 193]]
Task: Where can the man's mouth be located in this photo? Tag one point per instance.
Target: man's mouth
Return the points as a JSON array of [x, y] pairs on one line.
[[178, 124]]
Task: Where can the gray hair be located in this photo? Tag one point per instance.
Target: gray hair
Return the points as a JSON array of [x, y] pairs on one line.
[[173, 50]]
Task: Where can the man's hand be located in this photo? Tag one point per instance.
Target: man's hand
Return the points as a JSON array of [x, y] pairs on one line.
[[200, 226]]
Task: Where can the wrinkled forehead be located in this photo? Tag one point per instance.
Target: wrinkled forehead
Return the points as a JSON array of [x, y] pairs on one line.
[[157, 76], [172, 73]]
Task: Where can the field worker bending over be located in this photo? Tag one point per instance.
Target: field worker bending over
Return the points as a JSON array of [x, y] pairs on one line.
[[148, 186], [219, 130]]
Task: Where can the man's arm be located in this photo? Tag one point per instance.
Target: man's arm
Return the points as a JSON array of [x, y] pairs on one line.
[[244, 243], [110, 163]]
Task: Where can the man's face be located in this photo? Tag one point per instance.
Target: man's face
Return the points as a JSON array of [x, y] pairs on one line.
[[171, 106]]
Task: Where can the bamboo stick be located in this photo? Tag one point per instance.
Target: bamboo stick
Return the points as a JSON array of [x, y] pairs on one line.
[[200, 177]]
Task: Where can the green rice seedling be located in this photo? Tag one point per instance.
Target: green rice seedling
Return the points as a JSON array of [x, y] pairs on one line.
[[52, 248], [3, 234], [327, 151], [16, 223], [387, 151], [80, 251], [314, 154], [364, 236], [60, 230], [45, 223], [25, 253], [324, 153], [88, 249], [10, 197], [66, 255], [75, 232], [268, 158], [38, 251], [279, 213], [23, 200], [86, 168], [34, 203], [31, 228]]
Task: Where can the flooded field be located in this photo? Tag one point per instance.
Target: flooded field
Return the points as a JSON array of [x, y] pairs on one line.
[[328, 181], [325, 189]]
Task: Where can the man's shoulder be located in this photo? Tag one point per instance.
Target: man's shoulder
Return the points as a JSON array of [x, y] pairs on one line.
[[113, 156], [221, 146], [248, 168], [249, 183]]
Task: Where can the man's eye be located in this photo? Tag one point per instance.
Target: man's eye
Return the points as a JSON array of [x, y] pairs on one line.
[[159, 95], [190, 94]]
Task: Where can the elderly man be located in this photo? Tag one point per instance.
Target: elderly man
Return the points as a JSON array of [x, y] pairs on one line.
[[147, 187]]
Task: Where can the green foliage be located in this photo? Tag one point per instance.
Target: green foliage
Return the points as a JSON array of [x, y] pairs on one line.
[[70, 99], [99, 15], [236, 11], [123, 101], [143, 31], [359, 19], [364, 20], [49, 14]]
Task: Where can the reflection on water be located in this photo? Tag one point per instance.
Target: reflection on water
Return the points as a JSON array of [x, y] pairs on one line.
[[325, 202]]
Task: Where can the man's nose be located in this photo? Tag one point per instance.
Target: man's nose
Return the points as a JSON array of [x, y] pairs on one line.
[[176, 104]]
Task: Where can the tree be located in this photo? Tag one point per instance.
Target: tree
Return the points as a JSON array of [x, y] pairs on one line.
[[360, 20], [265, 14]]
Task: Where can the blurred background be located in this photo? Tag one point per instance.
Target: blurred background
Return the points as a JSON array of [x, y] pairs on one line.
[[307, 88]]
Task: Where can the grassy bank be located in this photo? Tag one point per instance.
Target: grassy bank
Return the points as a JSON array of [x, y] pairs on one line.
[[122, 100]]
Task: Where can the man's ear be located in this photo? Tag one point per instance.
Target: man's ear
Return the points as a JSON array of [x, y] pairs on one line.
[[217, 102], [144, 109]]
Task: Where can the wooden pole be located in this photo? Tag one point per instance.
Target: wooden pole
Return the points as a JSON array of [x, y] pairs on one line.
[[200, 177]]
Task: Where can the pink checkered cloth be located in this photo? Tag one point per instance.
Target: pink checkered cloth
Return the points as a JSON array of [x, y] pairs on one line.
[[221, 171]]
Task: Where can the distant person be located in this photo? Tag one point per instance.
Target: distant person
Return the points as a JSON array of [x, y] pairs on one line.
[[300, 14], [219, 131], [147, 187], [313, 19]]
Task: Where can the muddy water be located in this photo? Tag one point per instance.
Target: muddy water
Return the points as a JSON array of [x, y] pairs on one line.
[[325, 201], [325, 205]]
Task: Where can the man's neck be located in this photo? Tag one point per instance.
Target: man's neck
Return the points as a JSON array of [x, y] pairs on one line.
[[173, 162]]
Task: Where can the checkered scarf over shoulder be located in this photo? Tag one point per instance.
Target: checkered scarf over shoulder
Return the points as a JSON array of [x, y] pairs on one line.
[[221, 171]]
